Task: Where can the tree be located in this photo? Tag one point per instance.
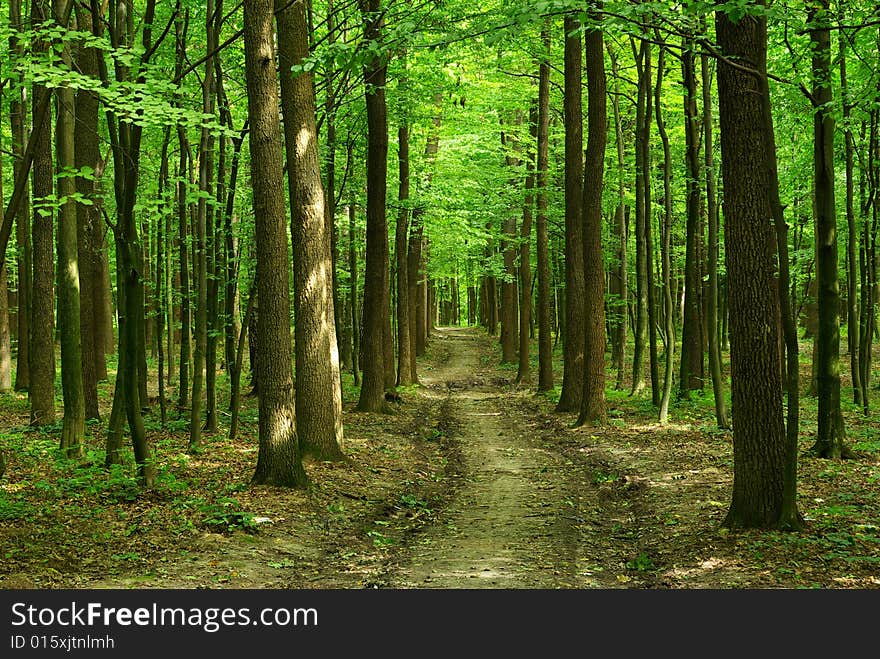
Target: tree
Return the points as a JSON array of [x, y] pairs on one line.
[[90, 226], [525, 255], [643, 260], [206, 176], [691, 374], [620, 286], [405, 333], [278, 461], [509, 316], [712, 255], [759, 441], [542, 243], [17, 120], [73, 424], [666, 246], [573, 356], [5, 335], [318, 389], [181, 26], [593, 401], [41, 353], [831, 430], [372, 396]]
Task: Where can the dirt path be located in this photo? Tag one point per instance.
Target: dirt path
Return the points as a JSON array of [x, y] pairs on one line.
[[511, 522]]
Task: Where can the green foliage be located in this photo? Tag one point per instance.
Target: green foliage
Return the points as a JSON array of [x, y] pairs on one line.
[[641, 563], [225, 516]]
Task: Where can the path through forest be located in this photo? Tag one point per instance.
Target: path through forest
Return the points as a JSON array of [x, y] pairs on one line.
[[511, 523]]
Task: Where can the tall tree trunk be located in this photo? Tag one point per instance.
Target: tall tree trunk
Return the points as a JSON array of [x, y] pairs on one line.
[[330, 105], [318, 387], [170, 306], [620, 231], [278, 461], [161, 308], [509, 317], [713, 224], [405, 353], [125, 139], [852, 282], [573, 346], [18, 121], [230, 257], [87, 155], [213, 269], [691, 373], [372, 396], [353, 295], [181, 28], [206, 175], [525, 254], [643, 266], [415, 280], [5, 338], [593, 402], [42, 340], [759, 441], [831, 431], [867, 272], [73, 423], [653, 362], [666, 248], [415, 249], [542, 244]]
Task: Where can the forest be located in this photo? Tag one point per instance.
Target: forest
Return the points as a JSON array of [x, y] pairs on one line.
[[439, 294]]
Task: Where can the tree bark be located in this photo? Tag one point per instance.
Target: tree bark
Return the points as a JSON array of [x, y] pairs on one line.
[[183, 224], [542, 243], [621, 316], [691, 374], [372, 396], [593, 402], [42, 340], [759, 441], [523, 374], [206, 184], [666, 248], [5, 337], [852, 281], [330, 105], [318, 387], [509, 317], [651, 291], [575, 317], [161, 307], [87, 155], [643, 265], [353, 295], [18, 121], [278, 461], [831, 430], [415, 250], [713, 224], [405, 351], [73, 423]]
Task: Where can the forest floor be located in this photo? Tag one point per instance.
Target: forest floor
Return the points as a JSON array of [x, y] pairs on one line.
[[472, 482]]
